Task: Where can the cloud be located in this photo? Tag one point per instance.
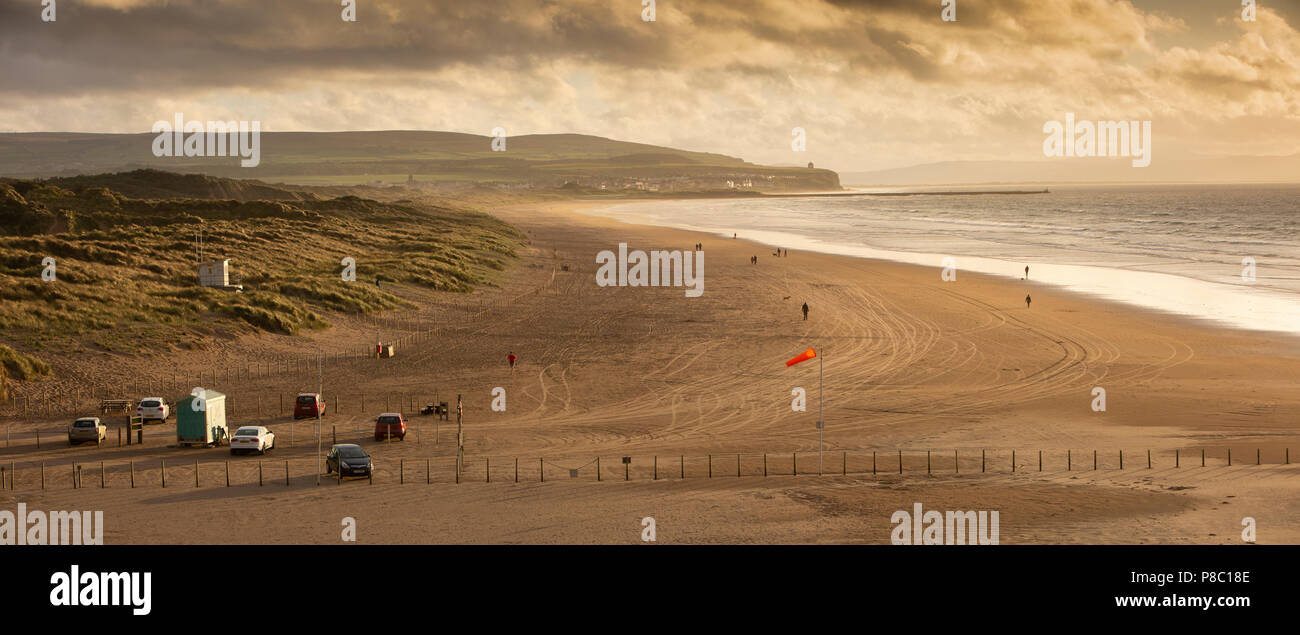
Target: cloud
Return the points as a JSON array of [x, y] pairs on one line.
[[876, 83]]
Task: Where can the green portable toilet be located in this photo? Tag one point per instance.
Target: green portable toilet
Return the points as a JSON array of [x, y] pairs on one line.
[[202, 421]]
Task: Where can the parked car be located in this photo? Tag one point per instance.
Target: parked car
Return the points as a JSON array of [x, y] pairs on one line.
[[348, 459], [153, 409], [308, 406], [252, 439], [87, 429], [390, 425]]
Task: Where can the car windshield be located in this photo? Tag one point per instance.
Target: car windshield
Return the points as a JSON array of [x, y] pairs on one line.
[[390, 420], [247, 432], [307, 400], [150, 404], [85, 423], [352, 452]]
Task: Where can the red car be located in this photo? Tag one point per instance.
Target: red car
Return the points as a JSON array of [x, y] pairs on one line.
[[308, 406], [390, 425]]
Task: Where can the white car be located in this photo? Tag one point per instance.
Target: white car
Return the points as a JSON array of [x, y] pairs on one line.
[[252, 439], [153, 409]]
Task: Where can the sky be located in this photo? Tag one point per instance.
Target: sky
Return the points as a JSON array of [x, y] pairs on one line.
[[873, 83]]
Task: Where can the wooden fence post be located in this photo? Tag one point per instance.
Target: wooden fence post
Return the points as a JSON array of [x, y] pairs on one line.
[[873, 462], [42, 474], [927, 461], [196, 472], [541, 469], [765, 464], [597, 468], [656, 468], [1229, 457], [1013, 461], [900, 461], [710, 466], [1177, 461], [1148, 459], [101, 475], [516, 469], [227, 473], [1121, 459], [164, 473], [132, 474], [259, 473], [286, 473], [683, 462]]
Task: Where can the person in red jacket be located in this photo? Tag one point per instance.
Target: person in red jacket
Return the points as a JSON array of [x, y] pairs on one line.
[[512, 359]]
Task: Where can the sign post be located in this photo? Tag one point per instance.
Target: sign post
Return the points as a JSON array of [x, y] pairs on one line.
[[460, 437]]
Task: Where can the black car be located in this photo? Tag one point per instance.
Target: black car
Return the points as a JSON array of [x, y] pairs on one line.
[[355, 461]]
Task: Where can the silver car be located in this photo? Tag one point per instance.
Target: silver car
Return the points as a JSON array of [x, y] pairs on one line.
[[87, 429]]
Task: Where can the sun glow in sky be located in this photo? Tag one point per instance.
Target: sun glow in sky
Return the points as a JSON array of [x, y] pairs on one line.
[[876, 84]]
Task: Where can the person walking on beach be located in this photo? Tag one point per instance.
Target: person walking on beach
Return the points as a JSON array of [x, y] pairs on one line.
[[805, 311], [1026, 272], [1027, 300], [512, 359]]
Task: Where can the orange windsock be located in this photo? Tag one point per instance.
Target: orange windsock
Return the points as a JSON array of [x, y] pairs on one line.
[[802, 357]]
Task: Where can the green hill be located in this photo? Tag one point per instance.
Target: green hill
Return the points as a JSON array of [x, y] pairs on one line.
[[341, 158]]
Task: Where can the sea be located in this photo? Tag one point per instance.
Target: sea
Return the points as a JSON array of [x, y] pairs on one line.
[[1225, 254]]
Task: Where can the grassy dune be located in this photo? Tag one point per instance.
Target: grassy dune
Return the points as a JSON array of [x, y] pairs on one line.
[[125, 268]]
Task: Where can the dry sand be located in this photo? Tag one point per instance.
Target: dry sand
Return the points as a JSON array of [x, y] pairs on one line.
[[960, 369]]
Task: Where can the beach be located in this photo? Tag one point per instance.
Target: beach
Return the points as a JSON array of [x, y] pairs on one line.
[[953, 377]]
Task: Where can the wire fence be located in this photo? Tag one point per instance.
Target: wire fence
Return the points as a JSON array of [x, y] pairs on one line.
[[265, 471]]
